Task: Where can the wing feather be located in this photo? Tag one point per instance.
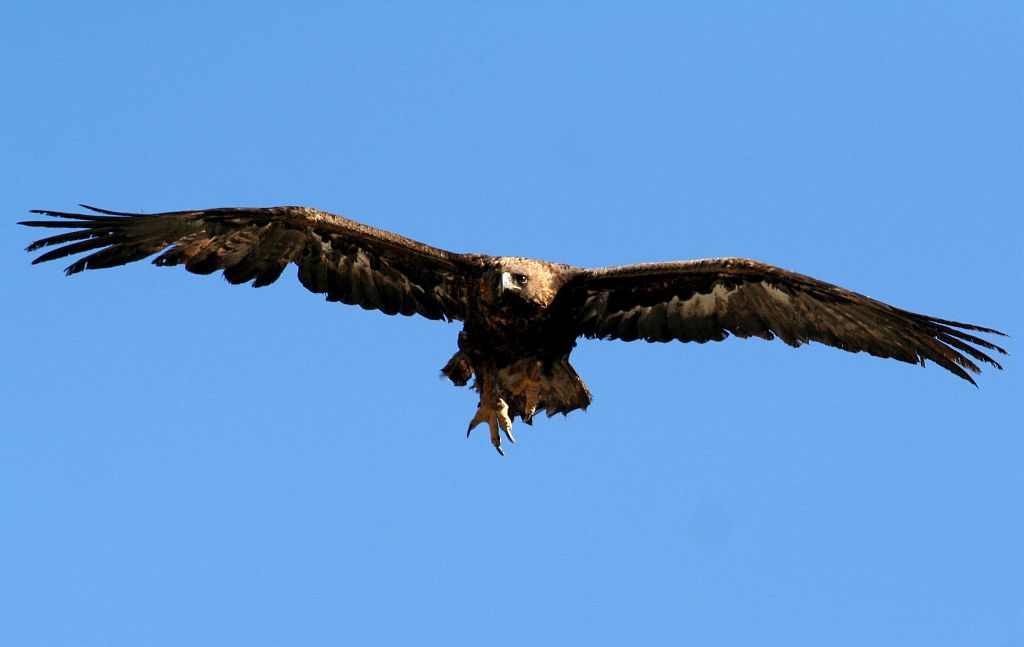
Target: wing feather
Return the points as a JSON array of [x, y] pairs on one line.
[[708, 300], [343, 259]]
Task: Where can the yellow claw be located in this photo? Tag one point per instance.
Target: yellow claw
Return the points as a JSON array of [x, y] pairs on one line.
[[504, 421], [497, 420], [527, 390], [532, 395]]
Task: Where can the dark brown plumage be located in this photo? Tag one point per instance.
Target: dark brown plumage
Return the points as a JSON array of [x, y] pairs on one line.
[[521, 316]]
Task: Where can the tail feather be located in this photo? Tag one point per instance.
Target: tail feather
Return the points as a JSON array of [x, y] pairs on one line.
[[561, 388]]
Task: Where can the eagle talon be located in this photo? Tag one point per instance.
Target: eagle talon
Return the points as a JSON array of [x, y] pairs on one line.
[[498, 422], [527, 416], [529, 389], [532, 393]]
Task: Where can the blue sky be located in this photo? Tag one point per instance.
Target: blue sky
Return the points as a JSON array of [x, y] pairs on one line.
[[187, 462]]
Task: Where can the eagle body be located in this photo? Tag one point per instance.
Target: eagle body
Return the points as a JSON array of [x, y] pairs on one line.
[[517, 337], [521, 317]]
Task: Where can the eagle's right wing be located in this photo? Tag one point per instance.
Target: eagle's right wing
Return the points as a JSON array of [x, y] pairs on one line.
[[343, 259], [707, 300]]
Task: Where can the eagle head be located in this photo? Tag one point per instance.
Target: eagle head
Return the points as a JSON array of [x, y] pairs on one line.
[[525, 282]]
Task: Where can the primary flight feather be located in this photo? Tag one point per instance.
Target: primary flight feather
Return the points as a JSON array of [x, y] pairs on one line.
[[521, 317]]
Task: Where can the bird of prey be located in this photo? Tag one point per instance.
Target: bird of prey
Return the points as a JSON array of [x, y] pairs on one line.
[[521, 317]]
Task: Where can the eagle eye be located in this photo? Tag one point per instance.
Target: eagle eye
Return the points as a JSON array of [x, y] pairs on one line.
[[520, 278]]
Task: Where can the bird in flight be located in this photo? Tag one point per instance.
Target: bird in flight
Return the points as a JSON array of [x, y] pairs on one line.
[[521, 317]]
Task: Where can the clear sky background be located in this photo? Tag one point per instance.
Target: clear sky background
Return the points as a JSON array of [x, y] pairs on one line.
[[187, 462]]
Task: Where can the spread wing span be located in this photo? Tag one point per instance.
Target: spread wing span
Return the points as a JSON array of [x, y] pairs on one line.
[[707, 300], [345, 260]]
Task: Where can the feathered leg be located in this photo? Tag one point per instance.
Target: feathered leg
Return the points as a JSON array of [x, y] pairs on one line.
[[526, 389]]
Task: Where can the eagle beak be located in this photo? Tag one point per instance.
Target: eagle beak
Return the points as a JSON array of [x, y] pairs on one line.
[[507, 283]]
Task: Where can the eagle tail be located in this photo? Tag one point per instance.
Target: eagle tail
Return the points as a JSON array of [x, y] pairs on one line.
[[554, 388]]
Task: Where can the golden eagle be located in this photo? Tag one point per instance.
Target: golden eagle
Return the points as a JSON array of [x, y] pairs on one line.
[[521, 317]]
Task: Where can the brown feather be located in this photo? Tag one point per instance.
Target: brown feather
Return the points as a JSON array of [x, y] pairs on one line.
[[343, 259], [710, 299]]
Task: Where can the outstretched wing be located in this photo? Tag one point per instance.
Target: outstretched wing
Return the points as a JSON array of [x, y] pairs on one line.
[[347, 261], [706, 300]]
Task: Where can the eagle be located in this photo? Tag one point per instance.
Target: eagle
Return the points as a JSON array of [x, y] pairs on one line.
[[521, 317]]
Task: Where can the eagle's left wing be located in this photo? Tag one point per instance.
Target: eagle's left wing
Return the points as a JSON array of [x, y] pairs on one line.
[[706, 300], [343, 259]]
